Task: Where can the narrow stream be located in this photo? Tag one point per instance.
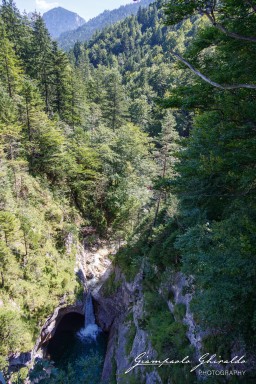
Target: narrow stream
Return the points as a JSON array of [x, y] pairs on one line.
[[79, 346]]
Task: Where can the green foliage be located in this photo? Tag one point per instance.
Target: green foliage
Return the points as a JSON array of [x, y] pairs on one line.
[[114, 106], [32, 269], [111, 285], [129, 261], [179, 311], [216, 172], [216, 344], [210, 232], [11, 328], [85, 370], [76, 148], [130, 338], [68, 39], [168, 336], [8, 226], [62, 166], [127, 167], [216, 190], [9, 64], [139, 49], [19, 377]]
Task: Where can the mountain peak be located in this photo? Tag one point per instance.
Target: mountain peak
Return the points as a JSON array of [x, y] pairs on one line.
[[104, 19], [59, 20]]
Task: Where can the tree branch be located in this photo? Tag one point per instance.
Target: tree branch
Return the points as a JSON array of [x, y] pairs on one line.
[[209, 81], [224, 30]]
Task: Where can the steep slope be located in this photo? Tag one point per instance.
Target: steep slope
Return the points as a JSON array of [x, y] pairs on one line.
[[85, 32], [59, 20], [43, 150], [209, 233], [72, 163], [140, 47]]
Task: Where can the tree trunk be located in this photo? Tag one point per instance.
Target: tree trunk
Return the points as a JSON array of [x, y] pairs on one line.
[[2, 278]]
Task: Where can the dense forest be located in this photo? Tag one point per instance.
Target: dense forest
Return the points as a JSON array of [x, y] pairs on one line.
[[67, 39], [63, 167], [202, 218], [146, 133]]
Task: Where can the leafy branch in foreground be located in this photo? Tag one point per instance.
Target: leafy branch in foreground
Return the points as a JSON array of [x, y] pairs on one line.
[[209, 81], [215, 11]]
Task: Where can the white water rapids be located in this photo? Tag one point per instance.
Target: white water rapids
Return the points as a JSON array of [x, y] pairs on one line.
[[91, 329]]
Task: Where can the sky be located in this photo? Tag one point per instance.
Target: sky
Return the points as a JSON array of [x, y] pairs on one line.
[[85, 8]]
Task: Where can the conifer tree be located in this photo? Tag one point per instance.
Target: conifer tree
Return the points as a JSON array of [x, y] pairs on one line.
[[115, 104], [10, 70], [32, 101], [18, 29], [10, 128], [61, 84], [41, 61], [166, 157]]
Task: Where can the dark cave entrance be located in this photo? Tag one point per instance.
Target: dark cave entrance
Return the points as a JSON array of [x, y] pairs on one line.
[[72, 353]]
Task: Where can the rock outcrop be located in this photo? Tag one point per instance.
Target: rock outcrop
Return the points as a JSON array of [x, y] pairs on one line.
[[120, 314], [50, 326], [93, 266], [93, 261], [119, 310], [59, 20], [180, 286]]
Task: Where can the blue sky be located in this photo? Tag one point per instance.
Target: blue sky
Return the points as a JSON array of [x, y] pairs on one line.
[[85, 8]]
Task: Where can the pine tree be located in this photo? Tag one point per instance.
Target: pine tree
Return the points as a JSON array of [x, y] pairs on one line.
[[216, 182], [32, 101], [41, 61], [18, 29], [115, 104], [10, 128], [140, 110], [166, 157], [61, 82], [10, 70]]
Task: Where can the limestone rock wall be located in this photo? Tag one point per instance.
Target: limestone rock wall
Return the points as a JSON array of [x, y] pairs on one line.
[[120, 314]]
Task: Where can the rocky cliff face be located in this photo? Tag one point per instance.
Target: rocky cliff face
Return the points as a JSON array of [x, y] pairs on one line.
[[120, 313], [93, 266], [59, 20], [120, 310], [180, 286], [93, 261]]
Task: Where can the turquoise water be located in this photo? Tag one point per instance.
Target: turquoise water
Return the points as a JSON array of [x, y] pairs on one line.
[[80, 357]]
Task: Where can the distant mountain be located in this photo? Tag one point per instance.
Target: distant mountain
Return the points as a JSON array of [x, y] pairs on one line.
[[59, 20], [85, 32]]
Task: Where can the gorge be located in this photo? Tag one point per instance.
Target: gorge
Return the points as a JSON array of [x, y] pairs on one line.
[[127, 197]]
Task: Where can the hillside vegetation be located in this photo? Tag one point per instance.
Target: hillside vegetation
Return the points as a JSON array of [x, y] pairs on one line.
[[96, 24], [202, 216], [62, 168], [146, 133]]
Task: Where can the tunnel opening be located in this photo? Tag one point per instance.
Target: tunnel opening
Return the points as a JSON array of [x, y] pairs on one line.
[[76, 355]]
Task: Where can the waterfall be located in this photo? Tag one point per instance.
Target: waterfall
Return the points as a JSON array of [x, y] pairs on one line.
[[89, 312], [91, 329]]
